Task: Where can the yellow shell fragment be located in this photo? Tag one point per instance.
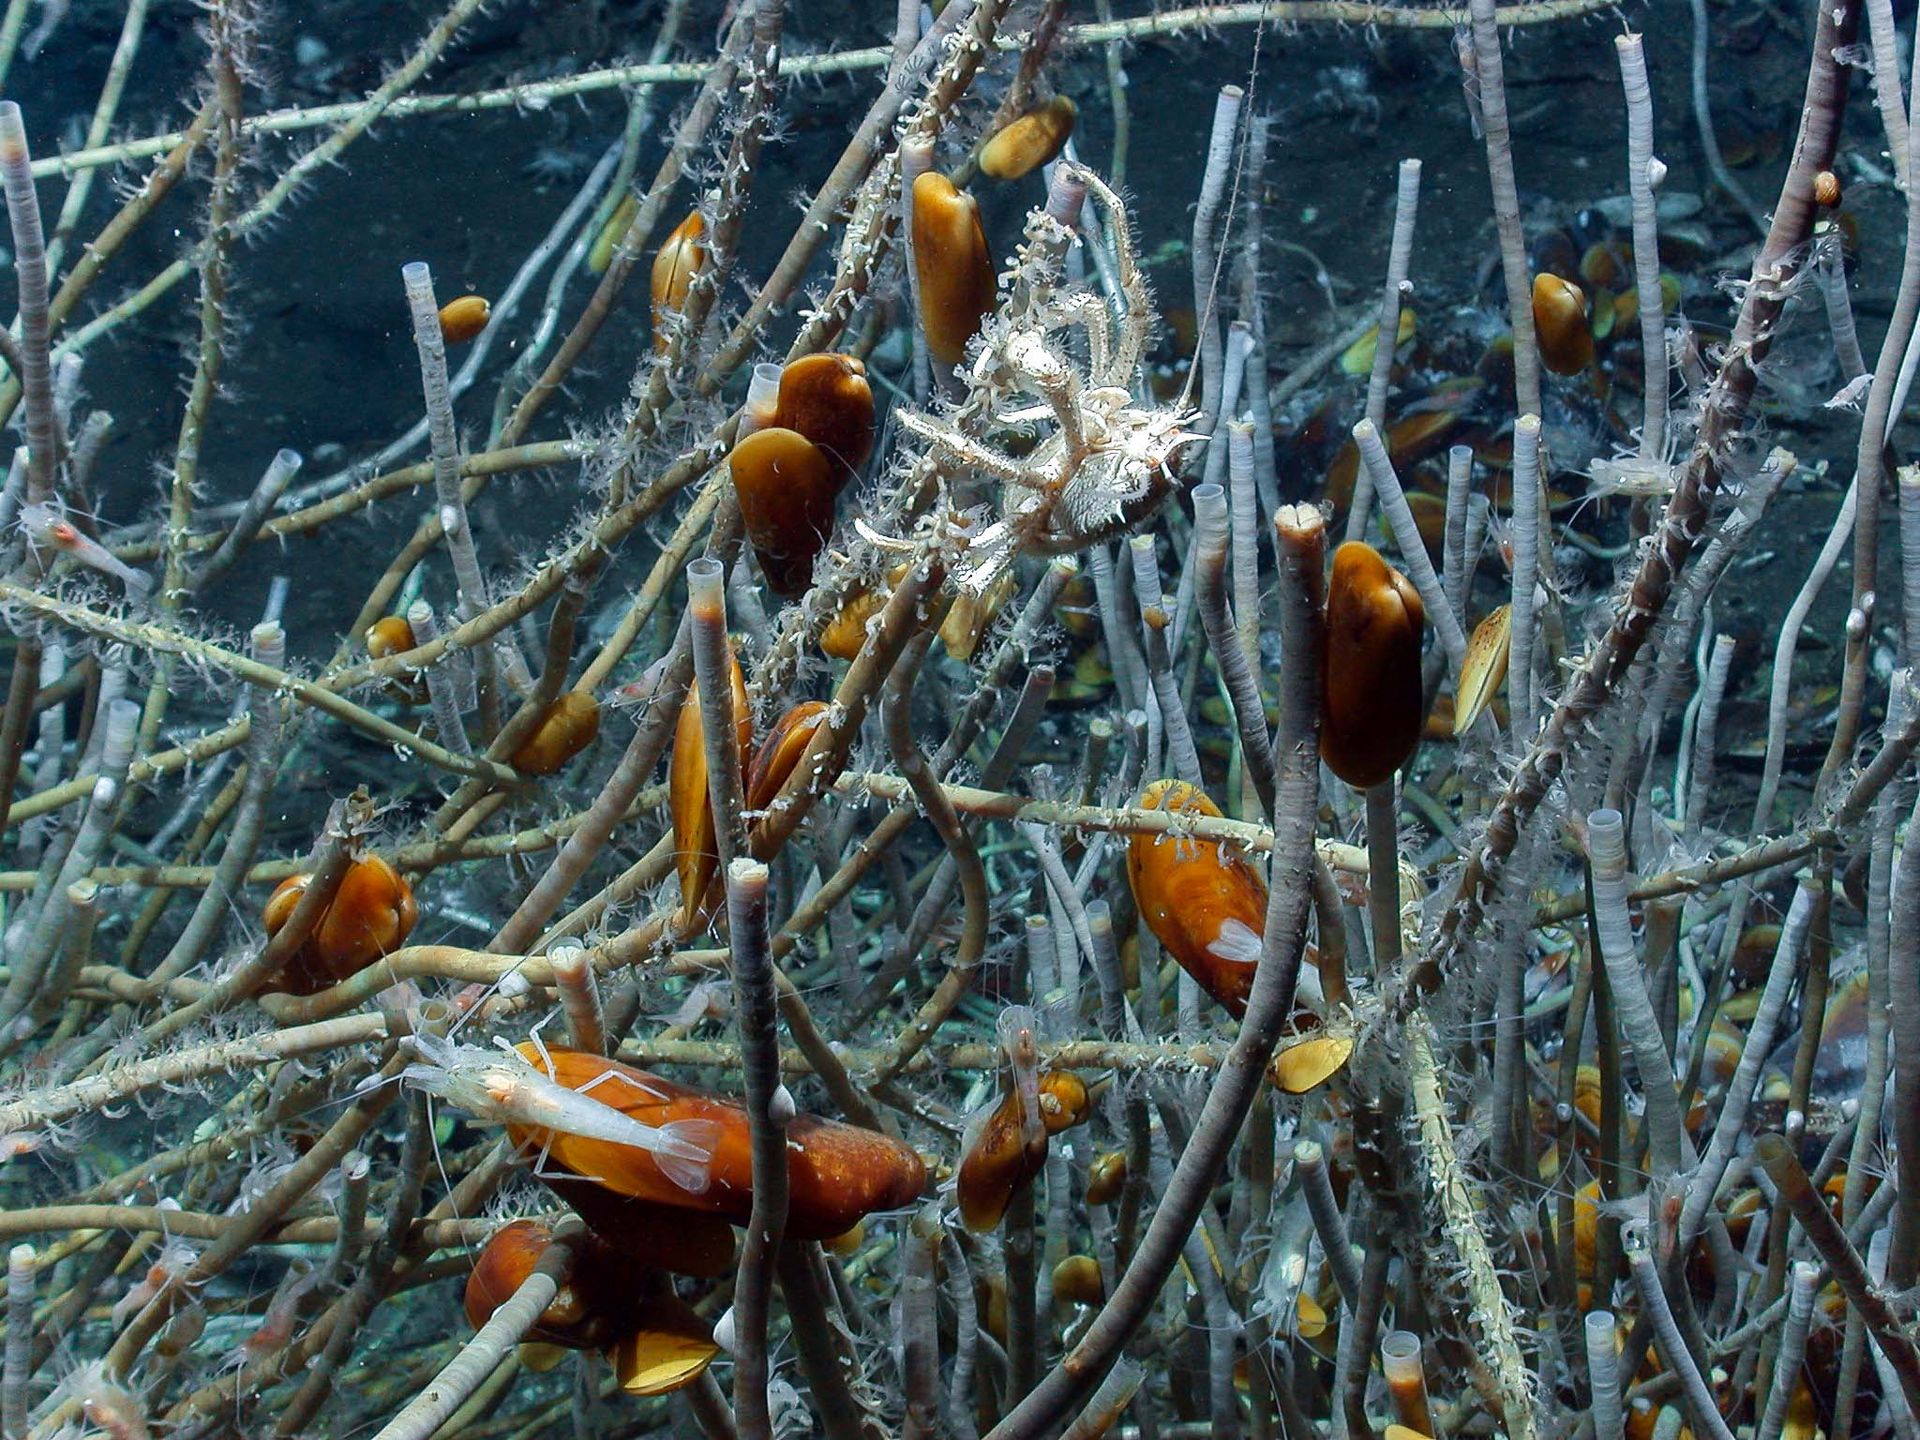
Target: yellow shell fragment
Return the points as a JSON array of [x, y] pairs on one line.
[[1406, 1432], [657, 1362], [1357, 359], [540, 1357], [1483, 669], [1310, 1321], [968, 617], [1310, 1063]]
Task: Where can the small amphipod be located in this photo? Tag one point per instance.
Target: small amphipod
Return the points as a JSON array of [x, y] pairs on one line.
[[1026, 144], [1560, 322], [785, 485], [951, 262], [371, 914], [49, 526], [1202, 901], [696, 853], [837, 1174], [680, 258], [571, 724], [464, 318], [827, 399], [1371, 706], [783, 748]]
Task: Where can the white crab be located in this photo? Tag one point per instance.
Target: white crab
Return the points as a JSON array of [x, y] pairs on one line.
[[1107, 459]]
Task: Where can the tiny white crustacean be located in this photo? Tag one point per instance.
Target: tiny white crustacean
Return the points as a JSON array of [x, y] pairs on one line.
[[50, 528], [500, 1087]]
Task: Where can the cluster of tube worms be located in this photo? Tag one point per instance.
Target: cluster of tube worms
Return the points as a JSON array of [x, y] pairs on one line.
[[945, 971]]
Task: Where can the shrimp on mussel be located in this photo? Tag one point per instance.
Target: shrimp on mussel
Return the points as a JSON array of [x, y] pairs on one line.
[[501, 1087]]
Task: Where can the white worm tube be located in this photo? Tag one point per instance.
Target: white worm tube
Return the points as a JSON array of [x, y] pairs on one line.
[[1910, 556], [1246, 538], [1239, 348], [763, 396], [1793, 1349], [1603, 1375], [253, 514], [1706, 727], [579, 995], [1213, 187], [1607, 853], [442, 682], [432, 346], [1781, 976], [1526, 570], [1406, 205], [1456, 568], [1413, 550], [1838, 538], [1646, 243], [22, 1272], [1166, 689]]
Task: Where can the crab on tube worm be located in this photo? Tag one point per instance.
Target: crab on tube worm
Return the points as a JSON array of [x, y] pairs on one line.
[[951, 262], [837, 1174], [1371, 705], [696, 849], [1203, 901]]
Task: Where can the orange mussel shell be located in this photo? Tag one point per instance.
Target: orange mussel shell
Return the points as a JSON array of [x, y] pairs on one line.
[[786, 487], [696, 853], [999, 1162], [827, 399], [681, 255], [656, 1341], [1560, 322], [1203, 902], [464, 318], [951, 262], [781, 751], [600, 1302], [372, 914], [1371, 707], [1029, 142], [571, 724], [837, 1174]]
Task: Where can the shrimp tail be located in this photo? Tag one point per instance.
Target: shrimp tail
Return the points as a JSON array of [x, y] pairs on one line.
[[685, 1152]]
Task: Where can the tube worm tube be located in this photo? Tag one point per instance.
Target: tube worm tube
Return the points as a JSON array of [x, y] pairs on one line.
[[1641, 170], [1406, 206], [1603, 1374]]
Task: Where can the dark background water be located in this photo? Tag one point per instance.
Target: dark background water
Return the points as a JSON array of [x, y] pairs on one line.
[[322, 358]]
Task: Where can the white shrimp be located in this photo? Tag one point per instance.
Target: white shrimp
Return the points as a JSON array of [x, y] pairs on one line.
[[501, 1088], [52, 529]]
